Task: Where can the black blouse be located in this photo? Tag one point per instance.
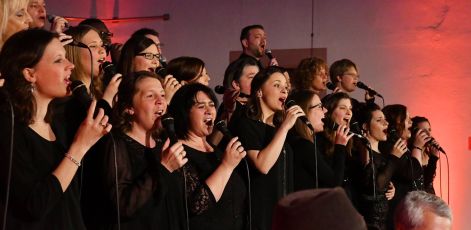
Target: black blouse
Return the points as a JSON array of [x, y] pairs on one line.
[[204, 212], [266, 189], [148, 192], [36, 198]]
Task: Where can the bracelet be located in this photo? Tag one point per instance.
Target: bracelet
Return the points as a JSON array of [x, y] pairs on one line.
[[415, 147], [68, 156]]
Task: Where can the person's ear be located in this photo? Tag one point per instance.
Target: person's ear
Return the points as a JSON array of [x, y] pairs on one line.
[[28, 74], [235, 84]]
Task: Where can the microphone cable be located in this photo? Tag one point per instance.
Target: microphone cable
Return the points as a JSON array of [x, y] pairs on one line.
[[187, 216], [10, 162]]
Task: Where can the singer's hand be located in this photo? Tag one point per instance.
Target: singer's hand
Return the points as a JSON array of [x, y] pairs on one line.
[[233, 154], [290, 117], [112, 89], [229, 99], [65, 39], [421, 138], [173, 157], [2, 81], [341, 135], [399, 148], [273, 62], [91, 129], [431, 150], [59, 24], [171, 85], [391, 191], [368, 96]]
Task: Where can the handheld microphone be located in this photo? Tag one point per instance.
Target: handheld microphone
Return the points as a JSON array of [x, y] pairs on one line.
[[163, 61], [334, 126], [219, 89], [303, 119], [222, 127], [330, 86], [432, 142], [109, 70], [269, 53], [169, 125], [50, 18], [371, 91]]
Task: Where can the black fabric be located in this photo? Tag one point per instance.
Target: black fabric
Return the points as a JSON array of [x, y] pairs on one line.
[[148, 193], [375, 209], [429, 174], [229, 212], [36, 197], [266, 189], [330, 174]]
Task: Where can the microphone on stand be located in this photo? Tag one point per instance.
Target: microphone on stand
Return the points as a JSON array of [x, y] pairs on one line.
[[371, 91]]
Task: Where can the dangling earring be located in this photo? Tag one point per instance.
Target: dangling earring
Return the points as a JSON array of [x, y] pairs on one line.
[[33, 88]]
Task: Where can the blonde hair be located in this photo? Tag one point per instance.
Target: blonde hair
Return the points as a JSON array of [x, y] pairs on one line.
[[9, 7], [73, 54]]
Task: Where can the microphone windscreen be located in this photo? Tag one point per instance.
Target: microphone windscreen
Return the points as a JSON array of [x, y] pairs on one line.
[[219, 89], [221, 126], [169, 125], [269, 53], [361, 85], [50, 17], [290, 104], [330, 86]]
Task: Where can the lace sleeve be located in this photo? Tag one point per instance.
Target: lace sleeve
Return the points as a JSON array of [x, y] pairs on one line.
[[199, 196]]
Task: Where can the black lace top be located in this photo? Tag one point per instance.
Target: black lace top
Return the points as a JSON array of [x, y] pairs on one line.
[[205, 213]]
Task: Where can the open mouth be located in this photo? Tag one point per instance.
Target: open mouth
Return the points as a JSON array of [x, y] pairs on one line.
[[159, 112], [208, 121], [101, 60], [151, 69], [347, 120], [282, 100]]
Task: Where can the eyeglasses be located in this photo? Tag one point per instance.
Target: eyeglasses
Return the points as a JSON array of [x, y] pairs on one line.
[[149, 56], [106, 34], [317, 106], [355, 76]]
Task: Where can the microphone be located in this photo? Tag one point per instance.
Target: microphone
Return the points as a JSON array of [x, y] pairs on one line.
[[79, 92], [334, 126], [109, 70], [163, 61], [222, 127], [219, 89], [50, 18], [269, 53], [331, 86], [303, 119], [370, 90], [169, 125], [434, 143]]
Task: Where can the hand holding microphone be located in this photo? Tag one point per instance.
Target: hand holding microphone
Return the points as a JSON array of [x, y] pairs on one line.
[[273, 61], [58, 24], [173, 153]]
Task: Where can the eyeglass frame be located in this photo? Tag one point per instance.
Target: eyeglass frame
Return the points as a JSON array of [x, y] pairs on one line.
[[320, 105], [146, 56]]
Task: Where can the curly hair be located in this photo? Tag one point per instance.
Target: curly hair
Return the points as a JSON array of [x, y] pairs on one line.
[[23, 50], [306, 72]]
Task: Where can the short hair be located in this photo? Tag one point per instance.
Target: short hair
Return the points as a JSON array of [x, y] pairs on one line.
[[122, 120], [304, 74], [145, 31], [130, 50], [181, 104], [185, 68], [410, 212], [234, 70], [244, 34], [338, 68], [23, 50]]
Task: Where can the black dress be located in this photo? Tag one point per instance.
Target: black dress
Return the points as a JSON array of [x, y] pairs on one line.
[[204, 212], [374, 206], [330, 174], [36, 197], [266, 189], [148, 192]]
